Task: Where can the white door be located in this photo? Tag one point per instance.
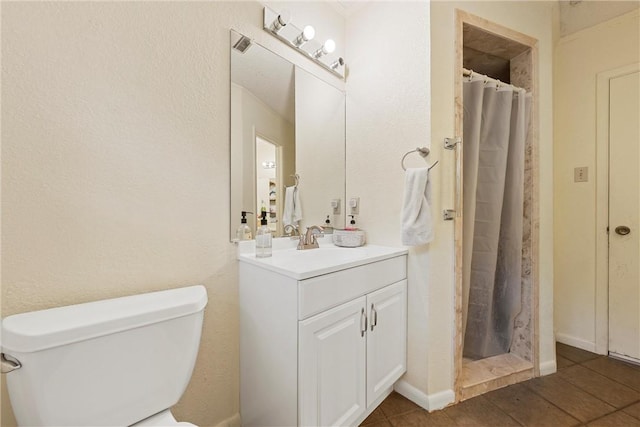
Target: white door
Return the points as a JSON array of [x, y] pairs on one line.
[[387, 338], [624, 215], [332, 364]]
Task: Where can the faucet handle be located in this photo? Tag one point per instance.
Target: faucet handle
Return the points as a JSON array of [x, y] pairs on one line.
[[309, 240], [312, 235], [302, 241]]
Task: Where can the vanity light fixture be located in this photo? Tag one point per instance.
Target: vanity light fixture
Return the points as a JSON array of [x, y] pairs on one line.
[[328, 47], [281, 21], [279, 25], [337, 63], [308, 33]]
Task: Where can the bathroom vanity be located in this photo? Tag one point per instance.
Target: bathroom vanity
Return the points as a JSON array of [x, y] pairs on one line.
[[322, 333]]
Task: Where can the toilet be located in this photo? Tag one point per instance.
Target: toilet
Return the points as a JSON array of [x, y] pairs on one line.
[[117, 362]]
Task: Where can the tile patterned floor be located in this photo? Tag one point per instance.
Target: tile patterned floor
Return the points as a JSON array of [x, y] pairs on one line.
[[588, 390]]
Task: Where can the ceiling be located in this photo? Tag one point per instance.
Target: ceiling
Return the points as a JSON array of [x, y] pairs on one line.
[[576, 15]]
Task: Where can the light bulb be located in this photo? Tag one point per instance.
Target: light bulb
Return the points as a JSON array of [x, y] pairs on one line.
[[308, 33], [328, 47], [338, 63], [281, 21]]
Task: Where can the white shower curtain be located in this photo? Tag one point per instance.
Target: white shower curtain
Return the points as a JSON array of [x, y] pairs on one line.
[[496, 120]]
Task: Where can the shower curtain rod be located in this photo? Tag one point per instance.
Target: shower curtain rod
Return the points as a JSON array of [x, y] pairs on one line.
[[467, 73]]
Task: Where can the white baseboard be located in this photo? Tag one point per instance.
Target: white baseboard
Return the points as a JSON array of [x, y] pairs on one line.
[[576, 342], [430, 402], [625, 358], [547, 368], [233, 421], [412, 393], [441, 399]]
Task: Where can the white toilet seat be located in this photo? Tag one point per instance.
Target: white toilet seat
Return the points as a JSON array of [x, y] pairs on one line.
[[162, 419]]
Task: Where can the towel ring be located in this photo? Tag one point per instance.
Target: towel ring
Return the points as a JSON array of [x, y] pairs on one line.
[[423, 151]]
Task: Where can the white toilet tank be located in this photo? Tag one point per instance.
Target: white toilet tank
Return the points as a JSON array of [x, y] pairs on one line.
[[112, 362]]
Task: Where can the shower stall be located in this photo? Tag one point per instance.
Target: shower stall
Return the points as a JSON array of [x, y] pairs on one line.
[[496, 230]]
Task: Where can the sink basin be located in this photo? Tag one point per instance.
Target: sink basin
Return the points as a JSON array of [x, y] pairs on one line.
[[302, 264]]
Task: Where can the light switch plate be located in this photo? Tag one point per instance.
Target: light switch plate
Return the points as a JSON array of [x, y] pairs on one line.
[[335, 205], [581, 174], [354, 205]]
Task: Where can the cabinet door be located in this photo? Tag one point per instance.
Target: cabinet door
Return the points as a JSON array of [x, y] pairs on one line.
[[332, 365], [387, 338]]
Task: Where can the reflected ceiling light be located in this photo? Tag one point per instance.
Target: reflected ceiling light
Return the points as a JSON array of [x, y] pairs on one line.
[[328, 47], [269, 165], [308, 33], [281, 21], [338, 63]]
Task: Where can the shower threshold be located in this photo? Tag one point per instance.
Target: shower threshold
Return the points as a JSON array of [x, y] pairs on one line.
[[484, 375]]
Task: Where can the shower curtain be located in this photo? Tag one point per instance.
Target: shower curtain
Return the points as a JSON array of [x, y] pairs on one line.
[[496, 120]]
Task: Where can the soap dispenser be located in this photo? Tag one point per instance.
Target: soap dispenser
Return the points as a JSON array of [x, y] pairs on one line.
[[244, 231], [327, 228], [352, 223], [263, 238]]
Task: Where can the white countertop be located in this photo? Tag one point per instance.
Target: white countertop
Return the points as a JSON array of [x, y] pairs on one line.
[[303, 264]]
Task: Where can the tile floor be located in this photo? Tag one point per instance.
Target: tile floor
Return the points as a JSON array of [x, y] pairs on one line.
[[587, 390]]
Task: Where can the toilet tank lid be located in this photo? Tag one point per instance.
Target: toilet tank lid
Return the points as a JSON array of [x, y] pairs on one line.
[[39, 330]]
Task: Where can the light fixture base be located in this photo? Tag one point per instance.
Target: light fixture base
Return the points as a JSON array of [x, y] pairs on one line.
[[288, 35]]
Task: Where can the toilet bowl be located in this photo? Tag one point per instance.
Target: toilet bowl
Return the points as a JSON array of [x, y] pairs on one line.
[[164, 418], [124, 361]]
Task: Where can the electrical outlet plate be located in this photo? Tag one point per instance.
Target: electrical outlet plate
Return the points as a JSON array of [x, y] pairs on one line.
[[581, 174], [354, 206]]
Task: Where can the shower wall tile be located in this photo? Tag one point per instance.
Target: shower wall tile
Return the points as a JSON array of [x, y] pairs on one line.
[[522, 341], [521, 71]]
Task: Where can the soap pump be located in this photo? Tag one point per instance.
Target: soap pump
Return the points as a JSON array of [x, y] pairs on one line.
[[352, 223], [244, 231], [327, 227], [263, 238]]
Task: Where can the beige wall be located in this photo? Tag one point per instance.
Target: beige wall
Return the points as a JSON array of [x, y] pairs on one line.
[[115, 176], [579, 57], [388, 102], [400, 95], [115, 164]]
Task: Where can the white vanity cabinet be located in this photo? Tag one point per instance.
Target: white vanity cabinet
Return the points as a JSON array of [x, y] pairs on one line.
[[321, 347], [350, 356]]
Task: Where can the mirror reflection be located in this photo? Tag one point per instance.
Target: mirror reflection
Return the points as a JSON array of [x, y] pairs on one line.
[[285, 124]]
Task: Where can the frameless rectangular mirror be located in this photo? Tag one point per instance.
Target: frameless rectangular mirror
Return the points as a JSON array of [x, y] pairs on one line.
[[284, 121]]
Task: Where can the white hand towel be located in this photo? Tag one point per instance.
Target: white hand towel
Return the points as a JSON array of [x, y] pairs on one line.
[[292, 213], [417, 221]]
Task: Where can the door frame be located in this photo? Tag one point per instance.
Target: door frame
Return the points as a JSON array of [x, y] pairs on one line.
[[602, 203], [279, 179], [530, 64]]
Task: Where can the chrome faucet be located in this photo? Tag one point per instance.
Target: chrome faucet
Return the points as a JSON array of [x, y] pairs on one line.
[[293, 231], [309, 240]]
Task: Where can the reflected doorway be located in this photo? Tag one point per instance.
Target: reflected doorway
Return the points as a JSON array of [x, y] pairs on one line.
[[268, 178]]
